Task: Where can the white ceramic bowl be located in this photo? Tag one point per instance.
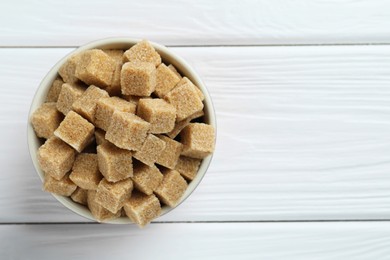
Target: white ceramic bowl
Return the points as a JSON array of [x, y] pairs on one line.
[[168, 57]]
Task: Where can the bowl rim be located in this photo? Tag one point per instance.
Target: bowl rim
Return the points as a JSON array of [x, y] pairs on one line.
[[123, 43]]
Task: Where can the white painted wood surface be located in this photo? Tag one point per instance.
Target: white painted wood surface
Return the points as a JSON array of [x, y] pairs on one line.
[[302, 135], [302, 130], [190, 22], [303, 241]]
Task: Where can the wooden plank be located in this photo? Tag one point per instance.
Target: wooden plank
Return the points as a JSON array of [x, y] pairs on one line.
[[302, 134], [198, 241], [248, 22]]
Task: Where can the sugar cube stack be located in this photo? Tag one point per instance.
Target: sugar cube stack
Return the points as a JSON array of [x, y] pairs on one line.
[[119, 135]]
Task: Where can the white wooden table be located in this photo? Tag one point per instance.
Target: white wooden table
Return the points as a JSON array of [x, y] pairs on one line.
[[302, 95]]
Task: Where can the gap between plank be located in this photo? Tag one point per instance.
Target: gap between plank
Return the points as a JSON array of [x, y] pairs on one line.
[[215, 45], [203, 222]]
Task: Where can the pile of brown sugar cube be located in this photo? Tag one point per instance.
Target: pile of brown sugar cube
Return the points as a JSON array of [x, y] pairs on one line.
[[123, 133]]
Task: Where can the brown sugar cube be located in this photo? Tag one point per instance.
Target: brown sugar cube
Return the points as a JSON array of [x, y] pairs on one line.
[[142, 209], [80, 196], [85, 172], [75, 131], [178, 127], [114, 89], [196, 115], [160, 114], [166, 80], [181, 124], [99, 136], [100, 213], [54, 91], [188, 167], [68, 95], [198, 140], [146, 179], [186, 101], [138, 78], [46, 119], [106, 107], [67, 70], [174, 70], [150, 150], [112, 196], [56, 157], [114, 163], [171, 188], [127, 131], [116, 55], [185, 80], [168, 158], [133, 99], [85, 105], [144, 52], [63, 187], [95, 68]]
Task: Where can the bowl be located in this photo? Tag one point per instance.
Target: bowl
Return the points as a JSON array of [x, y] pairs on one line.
[[168, 57]]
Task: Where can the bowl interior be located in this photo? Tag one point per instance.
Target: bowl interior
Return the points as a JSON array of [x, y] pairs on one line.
[[168, 57]]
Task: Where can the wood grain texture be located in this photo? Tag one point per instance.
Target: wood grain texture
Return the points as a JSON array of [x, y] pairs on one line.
[[302, 135], [190, 22], [311, 241]]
